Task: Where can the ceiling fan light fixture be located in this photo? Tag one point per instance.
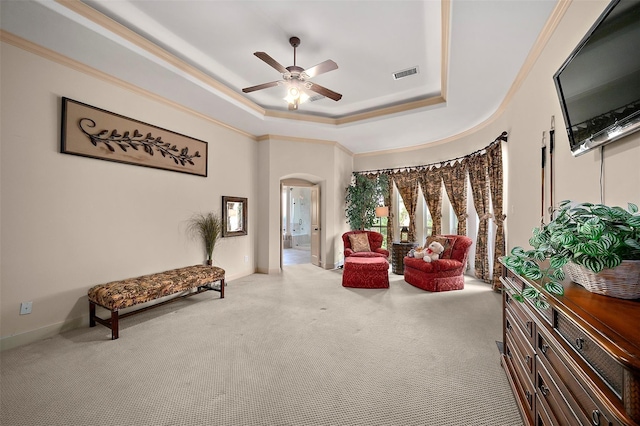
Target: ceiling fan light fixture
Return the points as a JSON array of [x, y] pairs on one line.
[[294, 92], [295, 78], [296, 96]]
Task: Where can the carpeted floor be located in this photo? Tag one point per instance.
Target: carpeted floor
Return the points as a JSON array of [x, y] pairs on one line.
[[290, 349]]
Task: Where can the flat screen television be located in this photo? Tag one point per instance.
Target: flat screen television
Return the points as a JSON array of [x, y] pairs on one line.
[[599, 84]]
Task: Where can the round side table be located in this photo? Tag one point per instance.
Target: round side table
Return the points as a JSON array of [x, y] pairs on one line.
[[398, 252]]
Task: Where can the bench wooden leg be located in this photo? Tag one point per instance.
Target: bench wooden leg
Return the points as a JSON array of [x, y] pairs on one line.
[[92, 314], [114, 325], [222, 288]]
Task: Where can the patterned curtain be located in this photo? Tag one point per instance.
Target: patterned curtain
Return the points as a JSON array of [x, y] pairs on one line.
[[494, 155], [407, 183], [387, 202], [431, 184], [454, 177], [480, 189]]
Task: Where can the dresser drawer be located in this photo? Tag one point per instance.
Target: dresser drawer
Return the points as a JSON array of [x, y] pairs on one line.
[[552, 399], [524, 350], [601, 362], [526, 389], [542, 417], [517, 309], [580, 401]]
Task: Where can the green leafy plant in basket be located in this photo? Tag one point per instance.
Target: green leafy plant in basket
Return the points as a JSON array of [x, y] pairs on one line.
[[594, 236]]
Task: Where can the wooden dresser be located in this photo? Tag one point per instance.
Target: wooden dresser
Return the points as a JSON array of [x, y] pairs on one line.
[[576, 363]]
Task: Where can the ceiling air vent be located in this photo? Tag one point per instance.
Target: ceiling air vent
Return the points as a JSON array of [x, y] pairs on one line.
[[405, 73]]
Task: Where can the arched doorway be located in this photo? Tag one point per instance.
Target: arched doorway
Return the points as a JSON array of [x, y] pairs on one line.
[[300, 222]]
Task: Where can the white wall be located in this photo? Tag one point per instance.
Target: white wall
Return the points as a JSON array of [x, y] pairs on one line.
[[527, 115], [320, 163], [70, 222]]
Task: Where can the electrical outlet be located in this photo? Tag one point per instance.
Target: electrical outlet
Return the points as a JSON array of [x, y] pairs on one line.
[[25, 308], [246, 259]]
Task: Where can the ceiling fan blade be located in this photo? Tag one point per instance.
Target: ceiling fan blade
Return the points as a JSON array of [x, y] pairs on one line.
[[324, 91], [269, 60], [261, 86], [321, 68]]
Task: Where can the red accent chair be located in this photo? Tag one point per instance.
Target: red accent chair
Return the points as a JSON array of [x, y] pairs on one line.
[[441, 274], [375, 243]]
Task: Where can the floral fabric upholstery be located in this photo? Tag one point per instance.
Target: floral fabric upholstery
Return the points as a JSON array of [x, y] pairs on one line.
[[447, 243], [375, 244], [359, 242], [133, 291], [366, 272], [441, 274]]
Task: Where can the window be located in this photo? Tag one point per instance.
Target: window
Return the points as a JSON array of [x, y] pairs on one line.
[[380, 225], [403, 214], [426, 220]]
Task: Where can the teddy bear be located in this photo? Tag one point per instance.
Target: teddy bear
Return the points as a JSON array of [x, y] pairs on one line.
[[433, 252], [418, 252]]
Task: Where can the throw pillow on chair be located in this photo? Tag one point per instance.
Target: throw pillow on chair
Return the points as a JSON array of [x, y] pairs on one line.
[[359, 242]]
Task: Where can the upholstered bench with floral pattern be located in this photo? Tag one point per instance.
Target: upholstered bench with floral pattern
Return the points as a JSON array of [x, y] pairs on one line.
[[118, 295]]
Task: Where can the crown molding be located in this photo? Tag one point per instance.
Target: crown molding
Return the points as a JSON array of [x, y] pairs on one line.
[[120, 30], [26, 45], [543, 38], [303, 140], [444, 60]]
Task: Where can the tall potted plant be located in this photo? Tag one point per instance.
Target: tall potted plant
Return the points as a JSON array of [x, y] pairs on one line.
[[595, 245], [362, 197], [208, 228]]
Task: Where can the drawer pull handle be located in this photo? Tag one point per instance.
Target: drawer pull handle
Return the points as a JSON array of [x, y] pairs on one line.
[[544, 348], [509, 326], [544, 389], [580, 343], [595, 417], [528, 395]]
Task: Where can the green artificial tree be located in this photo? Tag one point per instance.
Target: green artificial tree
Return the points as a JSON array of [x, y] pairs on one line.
[[362, 197]]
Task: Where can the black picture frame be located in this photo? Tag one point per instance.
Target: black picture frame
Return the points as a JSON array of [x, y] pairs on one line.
[[234, 216]]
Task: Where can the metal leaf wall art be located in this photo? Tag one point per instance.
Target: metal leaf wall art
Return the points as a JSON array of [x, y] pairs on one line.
[[92, 132], [136, 140]]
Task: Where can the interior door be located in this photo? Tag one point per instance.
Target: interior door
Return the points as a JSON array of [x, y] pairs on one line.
[[315, 225]]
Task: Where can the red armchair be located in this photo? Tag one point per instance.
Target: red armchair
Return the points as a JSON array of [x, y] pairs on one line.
[[443, 274], [375, 244]]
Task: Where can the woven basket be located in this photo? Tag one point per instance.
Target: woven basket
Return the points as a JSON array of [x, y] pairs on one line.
[[622, 282]]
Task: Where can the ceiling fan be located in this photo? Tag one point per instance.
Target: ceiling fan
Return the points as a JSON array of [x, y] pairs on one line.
[[297, 78]]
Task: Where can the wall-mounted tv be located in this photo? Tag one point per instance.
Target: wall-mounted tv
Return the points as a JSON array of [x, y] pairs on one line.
[[599, 84]]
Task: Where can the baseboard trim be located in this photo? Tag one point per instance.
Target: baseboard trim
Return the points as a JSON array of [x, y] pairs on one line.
[[42, 333], [52, 330]]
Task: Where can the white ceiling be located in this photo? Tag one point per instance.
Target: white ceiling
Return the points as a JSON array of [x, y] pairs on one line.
[[212, 43]]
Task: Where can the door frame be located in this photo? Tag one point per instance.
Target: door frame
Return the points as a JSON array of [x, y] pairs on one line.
[[299, 183]]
